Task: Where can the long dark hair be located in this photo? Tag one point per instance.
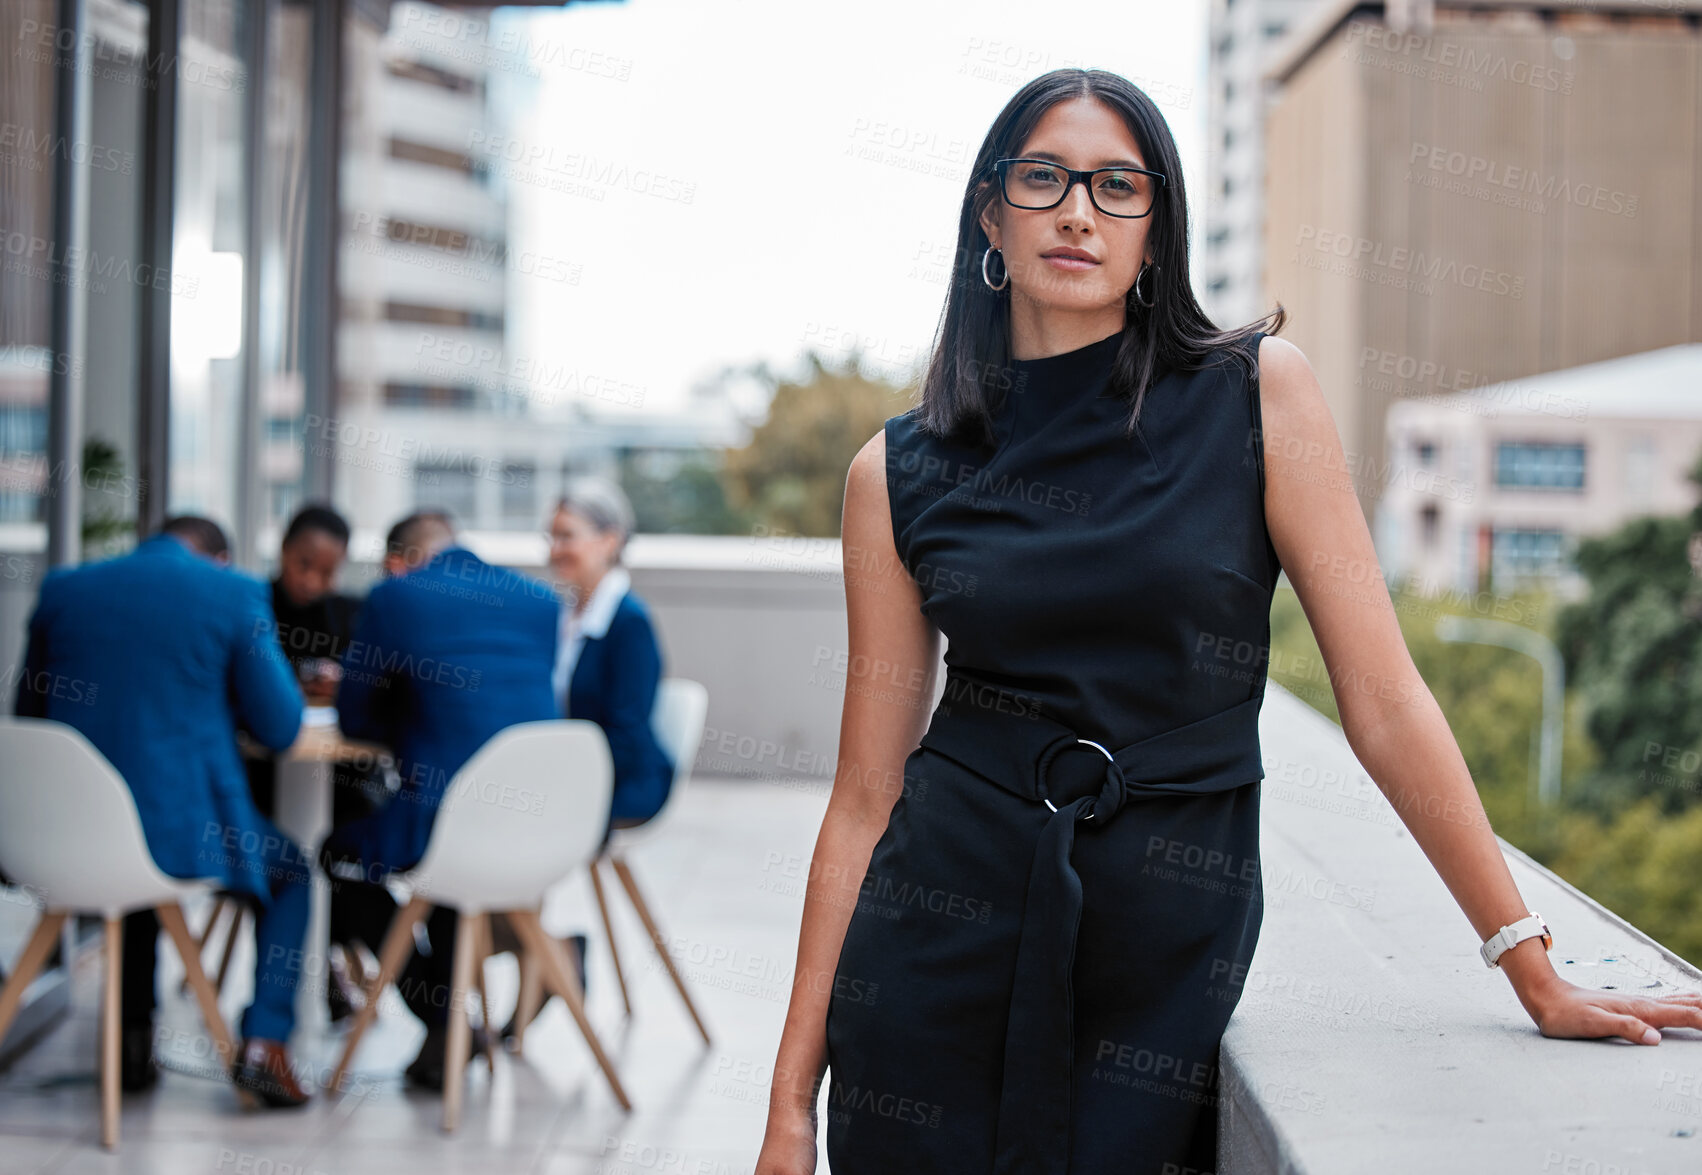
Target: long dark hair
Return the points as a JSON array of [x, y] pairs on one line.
[[970, 364]]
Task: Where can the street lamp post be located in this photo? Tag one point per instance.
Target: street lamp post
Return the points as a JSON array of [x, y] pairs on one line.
[[1533, 644]]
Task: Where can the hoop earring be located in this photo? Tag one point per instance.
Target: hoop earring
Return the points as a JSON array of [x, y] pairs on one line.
[[1135, 292], [986, 257]]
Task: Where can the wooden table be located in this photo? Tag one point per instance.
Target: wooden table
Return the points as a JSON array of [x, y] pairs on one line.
[[303, 813]]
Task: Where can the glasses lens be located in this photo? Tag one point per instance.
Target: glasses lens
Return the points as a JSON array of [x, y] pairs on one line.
[[1030, 183], [1123, 193]]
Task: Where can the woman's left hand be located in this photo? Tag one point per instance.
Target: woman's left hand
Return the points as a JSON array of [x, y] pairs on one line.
[[1569, 1011]]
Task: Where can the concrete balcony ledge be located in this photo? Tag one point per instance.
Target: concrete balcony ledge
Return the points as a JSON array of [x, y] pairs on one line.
[[1370, 1036]]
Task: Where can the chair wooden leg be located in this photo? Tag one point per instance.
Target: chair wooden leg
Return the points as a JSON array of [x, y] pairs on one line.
[[397, 944], [355, 966], [630, 883], [213, 917], [531, 995], [40, 945], [609, 932], [171, 917], [484, 952], [236, 912], [455, 1053], [112, 968], [559, 974]]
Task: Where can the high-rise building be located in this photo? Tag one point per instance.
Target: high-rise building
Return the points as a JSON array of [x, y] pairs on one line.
[[1243, 34], [1481, 194]]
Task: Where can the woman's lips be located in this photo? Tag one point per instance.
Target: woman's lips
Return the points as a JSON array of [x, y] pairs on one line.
[[1066, 262]]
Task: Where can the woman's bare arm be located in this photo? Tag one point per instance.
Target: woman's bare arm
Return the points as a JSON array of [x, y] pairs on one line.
[[889, 687], [1389, 715]]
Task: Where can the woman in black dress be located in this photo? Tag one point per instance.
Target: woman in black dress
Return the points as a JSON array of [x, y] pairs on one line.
[[1032, 907]]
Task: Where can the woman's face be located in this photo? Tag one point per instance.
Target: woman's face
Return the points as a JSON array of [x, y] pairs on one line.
[[1079, 133], [579, 552]]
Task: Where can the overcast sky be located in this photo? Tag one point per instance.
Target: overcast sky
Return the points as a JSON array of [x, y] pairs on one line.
[[695, 185]]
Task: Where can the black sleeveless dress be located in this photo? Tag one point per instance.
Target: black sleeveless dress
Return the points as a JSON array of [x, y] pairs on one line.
[[1057, 921]]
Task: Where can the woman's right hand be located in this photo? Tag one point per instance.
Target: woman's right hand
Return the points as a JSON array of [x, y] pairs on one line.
[[788, 1145]]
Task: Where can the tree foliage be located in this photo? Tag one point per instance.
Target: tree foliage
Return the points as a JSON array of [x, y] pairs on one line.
[[790, 478]]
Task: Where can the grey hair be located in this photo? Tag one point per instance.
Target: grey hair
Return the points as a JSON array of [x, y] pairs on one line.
[[601, 503]]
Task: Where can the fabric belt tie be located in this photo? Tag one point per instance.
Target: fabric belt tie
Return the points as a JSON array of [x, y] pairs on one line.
[[1217, 753]]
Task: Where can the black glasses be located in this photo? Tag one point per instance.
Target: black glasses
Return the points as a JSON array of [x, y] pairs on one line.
[[1036, 184]]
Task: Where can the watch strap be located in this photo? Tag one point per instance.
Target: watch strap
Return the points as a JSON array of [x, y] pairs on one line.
[[1530, 926]]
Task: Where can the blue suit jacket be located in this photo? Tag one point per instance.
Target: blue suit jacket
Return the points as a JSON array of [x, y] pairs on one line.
[[614, 685], [157, 657], [442, 660]]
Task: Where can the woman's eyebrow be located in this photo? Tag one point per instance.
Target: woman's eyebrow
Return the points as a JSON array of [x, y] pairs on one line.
[[1054, 157]]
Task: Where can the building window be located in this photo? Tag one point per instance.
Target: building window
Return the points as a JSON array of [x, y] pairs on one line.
[[1527, 554], [417, 395], [444, 240], [1429, 525], [519, 494], [23, 429], [432, 156], [432, 75], [441, 316], [447, 485], [1534, 465]]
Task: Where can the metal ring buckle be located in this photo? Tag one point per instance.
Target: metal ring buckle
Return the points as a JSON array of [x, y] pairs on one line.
[[1109, 758]]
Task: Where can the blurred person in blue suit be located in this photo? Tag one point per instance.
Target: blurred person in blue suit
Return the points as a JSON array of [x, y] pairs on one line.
[[178, 652], [608, 663], [447, 652]]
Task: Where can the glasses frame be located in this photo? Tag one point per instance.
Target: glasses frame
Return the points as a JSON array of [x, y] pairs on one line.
[[1001, 169]]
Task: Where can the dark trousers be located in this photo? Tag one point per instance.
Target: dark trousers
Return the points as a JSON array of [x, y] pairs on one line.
[[136, 986], [362, 911], [350, 798], [280, 930]]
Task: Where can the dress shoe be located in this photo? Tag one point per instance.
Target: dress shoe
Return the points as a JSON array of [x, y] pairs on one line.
[[427, 1069], [576, 951], [137, 1069], [263, 1069]]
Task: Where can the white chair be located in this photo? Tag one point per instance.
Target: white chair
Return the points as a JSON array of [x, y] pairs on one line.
[[682, 705], [70, 832], [523, 813]]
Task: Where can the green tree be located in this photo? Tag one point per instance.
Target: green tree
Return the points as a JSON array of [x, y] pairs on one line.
[[1633, 650], [791, 476]]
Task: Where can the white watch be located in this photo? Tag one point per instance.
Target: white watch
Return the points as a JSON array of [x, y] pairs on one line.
[[1515, 932]]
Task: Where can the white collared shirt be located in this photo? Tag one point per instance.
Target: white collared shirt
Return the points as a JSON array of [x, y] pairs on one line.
[[577, 626]]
